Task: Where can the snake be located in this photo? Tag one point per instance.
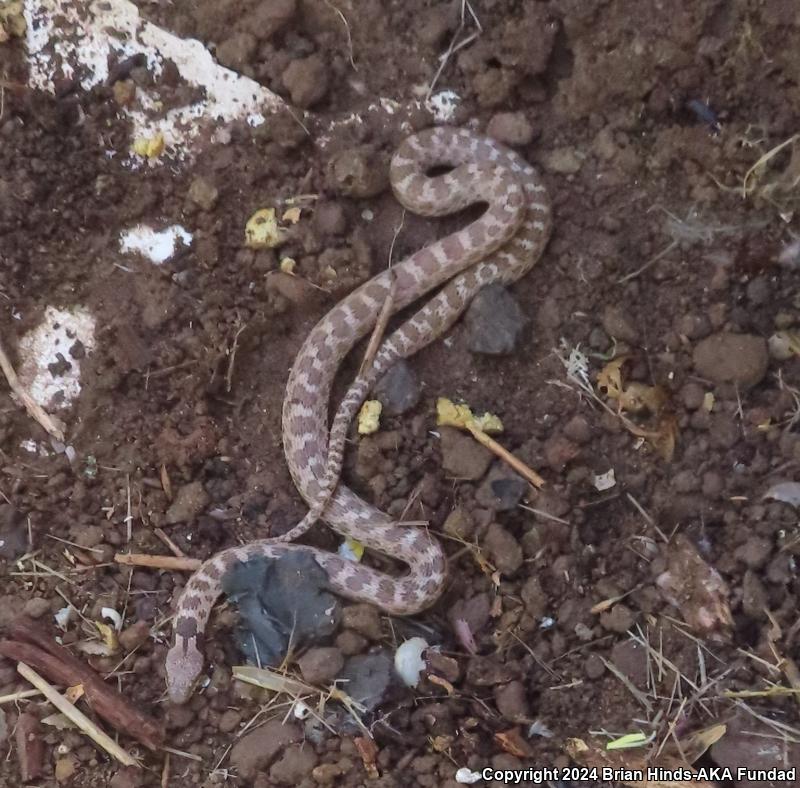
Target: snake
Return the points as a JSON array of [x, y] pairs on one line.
[[499, 246]]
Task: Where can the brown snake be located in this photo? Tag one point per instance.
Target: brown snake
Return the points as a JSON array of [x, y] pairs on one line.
[[500, 246]]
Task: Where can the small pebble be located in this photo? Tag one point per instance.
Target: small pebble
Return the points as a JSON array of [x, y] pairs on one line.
[[755, 552], [293, 765], [558, 451], [350, 643], [578, 430], [368, 678], [562, 161], [511, 128], [236, 51], [355, 172], [741, 359], [364, 619], [321, 665], [502, 489], [631, 660], [398, 390], [190, 500], [257, 749], [462, 456], [618, 324], [36, 607], [619, 619], [512, 702], [459, 524], [493, 321], [754, 596], [134, 636], [307, 80], [692, 395], [594, 667], [502, 549], [329, 219], [203, 193]]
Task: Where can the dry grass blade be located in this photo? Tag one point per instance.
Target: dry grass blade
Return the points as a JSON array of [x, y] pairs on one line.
[[759, 165], [16, 696], [76, 716], [643, 700], [270, 680]]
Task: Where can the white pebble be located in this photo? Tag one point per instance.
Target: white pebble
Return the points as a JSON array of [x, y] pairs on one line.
[[466, 776], [408, 660]]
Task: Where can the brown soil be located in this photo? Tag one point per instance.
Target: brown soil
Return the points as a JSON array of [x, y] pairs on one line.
[[606, 86]]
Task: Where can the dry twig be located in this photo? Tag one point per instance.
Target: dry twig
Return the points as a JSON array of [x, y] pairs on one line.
[[76, 716], [171, 562], [51, 424], [34, 647]]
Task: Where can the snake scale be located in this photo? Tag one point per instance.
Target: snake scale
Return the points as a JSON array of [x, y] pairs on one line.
[[500, 246]]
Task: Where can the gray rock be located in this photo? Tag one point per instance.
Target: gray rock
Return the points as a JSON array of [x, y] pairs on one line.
[[502, 489], [398, 390], [280, 599], [740, 359], [493, 321], [367, 678]]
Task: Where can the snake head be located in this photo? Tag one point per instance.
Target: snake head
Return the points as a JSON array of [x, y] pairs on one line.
[[184, 665]]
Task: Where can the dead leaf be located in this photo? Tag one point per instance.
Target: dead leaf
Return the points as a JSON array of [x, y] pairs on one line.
[[512, 742], [441, 743], [638, 398], [109, 635], [665, 437], [695, 744], [610, 377], [440, 682]]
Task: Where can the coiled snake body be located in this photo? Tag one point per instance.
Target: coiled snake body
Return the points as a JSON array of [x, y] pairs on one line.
[[500, 246]]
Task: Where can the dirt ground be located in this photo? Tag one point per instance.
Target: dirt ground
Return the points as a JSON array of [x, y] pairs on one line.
[[645, 120]]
